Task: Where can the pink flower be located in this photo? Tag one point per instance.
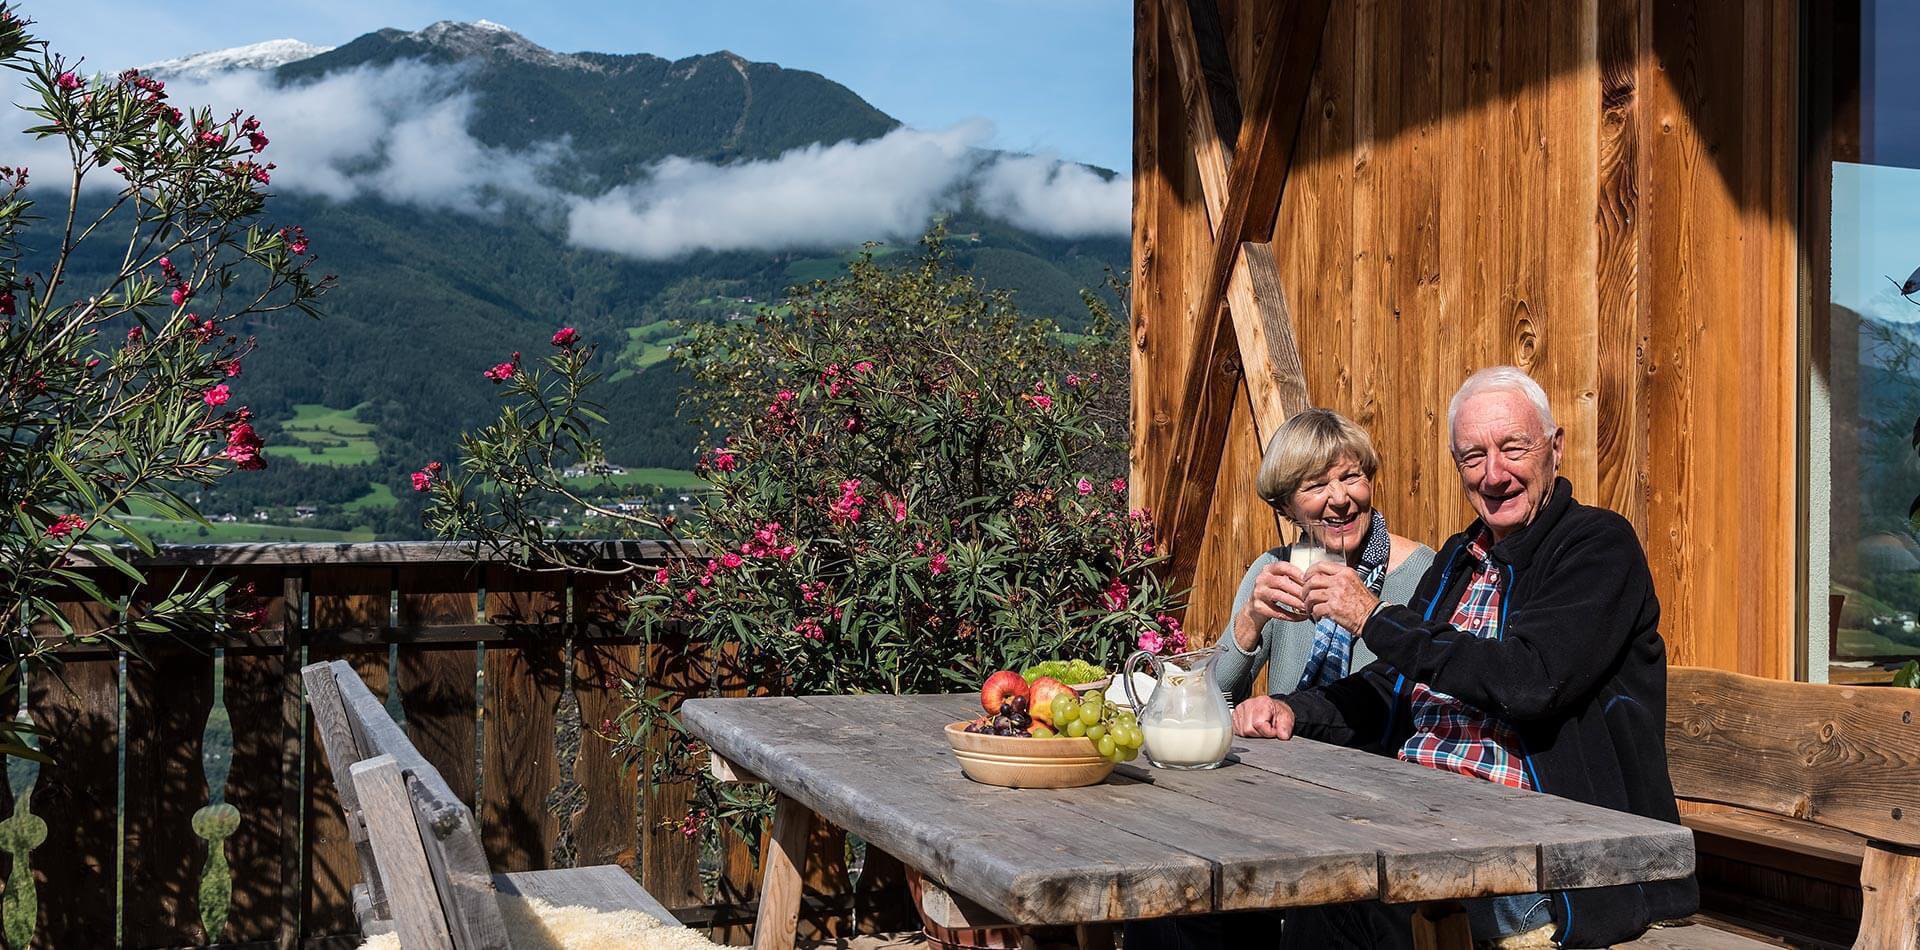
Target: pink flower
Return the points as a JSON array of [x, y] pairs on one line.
[[68, 81], [257, 140], [938, 565], [296, 239], [768, 533], [566, 336], [6, 303], [731, 560], [422, 481], [847, 508], [134, 334], [1118, 485], [1084, 487], [1175, 636], [243, 447], [895, 507], [1042, 402], [1073, 379], [660, 576], [217, 396], [66, 525], [181, 294], [809, 628], [232, 368], [1149, 641], [1116, 594], [852, 424], [725, 462], [688, 596], [811, 591], [863, 367]]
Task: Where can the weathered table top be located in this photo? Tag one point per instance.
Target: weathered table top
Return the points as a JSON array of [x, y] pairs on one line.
[[1289, 824]]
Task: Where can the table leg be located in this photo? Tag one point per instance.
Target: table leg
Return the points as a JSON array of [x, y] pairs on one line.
[[780, 870], [1441, 926], [1093, 936]]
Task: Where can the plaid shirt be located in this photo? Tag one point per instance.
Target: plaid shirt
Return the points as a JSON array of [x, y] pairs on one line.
[[1449, 734]]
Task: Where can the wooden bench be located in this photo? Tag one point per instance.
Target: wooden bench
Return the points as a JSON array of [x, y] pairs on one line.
[[1822, 782], [423, 871]]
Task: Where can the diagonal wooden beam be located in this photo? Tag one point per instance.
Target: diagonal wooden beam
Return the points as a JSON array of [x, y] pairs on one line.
[[1242, 181]]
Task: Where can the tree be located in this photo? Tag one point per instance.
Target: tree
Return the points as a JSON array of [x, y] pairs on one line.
[[117, 395]]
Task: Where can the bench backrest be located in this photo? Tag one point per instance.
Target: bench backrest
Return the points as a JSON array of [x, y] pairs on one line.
[[1847, 757], [357, 733]]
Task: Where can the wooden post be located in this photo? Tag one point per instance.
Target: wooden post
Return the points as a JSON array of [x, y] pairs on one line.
[[395, 841], [1441, 926], [780, 884], [1890, 898], [292, 737]]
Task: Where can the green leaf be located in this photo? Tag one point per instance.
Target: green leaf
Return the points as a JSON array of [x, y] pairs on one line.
[[1908, 676]]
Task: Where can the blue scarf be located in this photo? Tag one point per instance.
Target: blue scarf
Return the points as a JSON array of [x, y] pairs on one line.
[[1332, 643]]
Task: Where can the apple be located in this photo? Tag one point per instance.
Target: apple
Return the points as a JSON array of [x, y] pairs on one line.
[[1040, 701], [1001, 687]]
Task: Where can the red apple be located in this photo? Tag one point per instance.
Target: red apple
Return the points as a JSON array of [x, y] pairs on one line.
[[1040, 701], [1001, 687]]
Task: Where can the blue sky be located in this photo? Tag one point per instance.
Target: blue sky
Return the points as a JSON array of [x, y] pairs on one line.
[[1049, 74]]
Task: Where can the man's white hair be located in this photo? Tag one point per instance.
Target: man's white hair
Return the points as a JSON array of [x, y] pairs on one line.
[[1501, 379]]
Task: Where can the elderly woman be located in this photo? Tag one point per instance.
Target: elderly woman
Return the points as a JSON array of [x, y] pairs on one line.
[[1318, 471]]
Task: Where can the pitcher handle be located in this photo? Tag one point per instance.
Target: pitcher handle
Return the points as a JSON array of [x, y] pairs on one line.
[[1126, 677]]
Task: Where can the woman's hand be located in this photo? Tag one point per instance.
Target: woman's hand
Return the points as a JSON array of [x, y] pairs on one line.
[[1263, 717], [1279, 593]]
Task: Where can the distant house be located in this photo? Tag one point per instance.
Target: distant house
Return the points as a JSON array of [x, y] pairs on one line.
[[303, 512], [228, 518], [260, 515]]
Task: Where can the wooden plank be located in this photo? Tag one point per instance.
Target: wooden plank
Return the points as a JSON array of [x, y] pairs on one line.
[[670, 861], [256, 787], [524, 678], [1566, 358], [1621, 423], [1211, 104], [605, 827], [1890, 882], [603, 887], [438, 684], [455, 858], [287, 616], [1841, 756], [169, 693], [780, 883], [395, 839], [333, 726], [75, 869], [1784, 844], [330, 865]]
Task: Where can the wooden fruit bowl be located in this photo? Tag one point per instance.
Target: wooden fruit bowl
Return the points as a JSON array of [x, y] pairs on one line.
[[1026, 762]]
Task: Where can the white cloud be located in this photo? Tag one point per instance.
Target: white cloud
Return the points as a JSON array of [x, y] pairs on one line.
[[1044, 194], [402, 132], [815, 196]]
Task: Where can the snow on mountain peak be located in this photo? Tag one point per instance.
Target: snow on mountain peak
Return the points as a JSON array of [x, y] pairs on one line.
[[267, 55]]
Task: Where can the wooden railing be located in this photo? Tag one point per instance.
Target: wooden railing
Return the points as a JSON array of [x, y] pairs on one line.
[[152, 829]]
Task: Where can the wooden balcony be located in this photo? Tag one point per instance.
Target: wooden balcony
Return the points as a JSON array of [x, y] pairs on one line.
[[506, 680]]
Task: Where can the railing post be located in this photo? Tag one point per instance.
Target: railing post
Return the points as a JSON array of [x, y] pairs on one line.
[[293, 737]]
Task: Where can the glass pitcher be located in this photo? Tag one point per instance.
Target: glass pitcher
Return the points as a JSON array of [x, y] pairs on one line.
[[1185, 720]]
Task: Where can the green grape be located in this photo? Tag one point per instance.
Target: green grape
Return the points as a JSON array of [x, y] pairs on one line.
[[1064, 706], [1133, 737], [1089, 713], [1097, 701], [1097, 731], [1130, 753], [1076, 728], [1106, 745], [1042, 732], [1125, 717]]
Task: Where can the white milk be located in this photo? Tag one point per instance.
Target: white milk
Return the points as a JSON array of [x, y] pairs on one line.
[[1187, 741], [1302, 556]]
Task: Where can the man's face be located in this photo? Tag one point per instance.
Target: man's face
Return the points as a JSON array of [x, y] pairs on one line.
[[1506, 458]]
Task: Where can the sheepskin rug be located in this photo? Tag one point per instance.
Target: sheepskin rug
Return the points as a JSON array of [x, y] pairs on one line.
[[534, 924]]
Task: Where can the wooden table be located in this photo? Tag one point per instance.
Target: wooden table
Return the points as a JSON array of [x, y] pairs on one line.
[[1288, 824]]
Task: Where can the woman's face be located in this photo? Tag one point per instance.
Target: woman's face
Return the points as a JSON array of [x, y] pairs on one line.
[[1342, 498]]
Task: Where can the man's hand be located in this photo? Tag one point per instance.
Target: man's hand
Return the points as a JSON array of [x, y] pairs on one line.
[[1336, 591], [1263, 717]]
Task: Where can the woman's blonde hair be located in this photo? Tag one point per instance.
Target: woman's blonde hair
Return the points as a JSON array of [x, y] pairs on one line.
[[1306, 445]]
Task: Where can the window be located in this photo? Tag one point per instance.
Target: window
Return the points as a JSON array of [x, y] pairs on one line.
[[1863, 209]]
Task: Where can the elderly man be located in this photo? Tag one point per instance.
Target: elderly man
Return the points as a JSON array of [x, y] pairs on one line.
[[1530, 655]]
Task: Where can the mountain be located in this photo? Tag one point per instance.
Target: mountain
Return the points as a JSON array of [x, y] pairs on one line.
[[267, 55], [430, 296]]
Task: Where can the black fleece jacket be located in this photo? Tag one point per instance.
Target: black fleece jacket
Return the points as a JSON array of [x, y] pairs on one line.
[[1579, 669]]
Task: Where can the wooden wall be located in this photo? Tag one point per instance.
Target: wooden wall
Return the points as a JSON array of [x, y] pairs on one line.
[[1600, 191]]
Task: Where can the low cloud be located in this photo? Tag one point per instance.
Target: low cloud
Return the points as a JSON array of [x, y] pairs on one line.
[[402, 133], [1052, 197]]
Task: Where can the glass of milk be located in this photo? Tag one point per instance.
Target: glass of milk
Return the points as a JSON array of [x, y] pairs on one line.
[[1185, 721], [1308, 549]]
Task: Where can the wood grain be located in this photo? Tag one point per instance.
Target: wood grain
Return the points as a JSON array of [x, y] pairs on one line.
[[524, 679], [780, 882], [602, 887], [1841, 756], [169, 694], [1348, 825], [1890, 917], [75, 796], [382, 794]]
